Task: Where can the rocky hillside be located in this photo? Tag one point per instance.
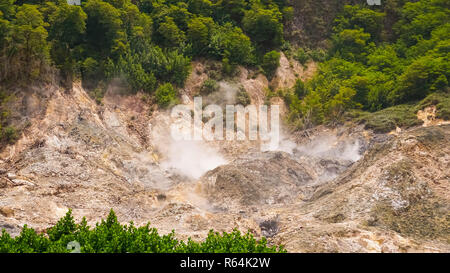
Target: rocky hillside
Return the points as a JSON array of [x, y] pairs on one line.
[[323, 190], [396, 198]]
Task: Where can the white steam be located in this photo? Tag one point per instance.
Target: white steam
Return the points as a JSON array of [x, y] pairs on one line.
[[191, 158], [327, 146], [330, 146], [281, 144]]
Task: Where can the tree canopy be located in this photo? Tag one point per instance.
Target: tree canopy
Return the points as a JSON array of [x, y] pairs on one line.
[[146, 42]]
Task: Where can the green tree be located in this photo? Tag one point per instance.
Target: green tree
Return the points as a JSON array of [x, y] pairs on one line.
[[229, 10], [199, 34], [30, 39], [5, 43], [132, 18], [300, 89], [166, 95], [355, 17], [420, 18], [109, 236], [200, 7], [67, 27], [340, 103], [166, 65], [385, 58], [104, 32], [425, 75], [231, 43], [7, 8], [271, 61], [264, 26], [137, 77], [171, 35], [312, 110], [352, 44]]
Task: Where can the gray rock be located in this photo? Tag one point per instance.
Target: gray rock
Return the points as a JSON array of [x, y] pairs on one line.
[[19, 182]]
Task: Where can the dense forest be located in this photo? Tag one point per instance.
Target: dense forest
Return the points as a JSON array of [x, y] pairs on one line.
[[375, 56], [147, 42], [377, 59]]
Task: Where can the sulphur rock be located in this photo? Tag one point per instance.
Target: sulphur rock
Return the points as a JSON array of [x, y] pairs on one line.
[[20, 182], [7, 212]]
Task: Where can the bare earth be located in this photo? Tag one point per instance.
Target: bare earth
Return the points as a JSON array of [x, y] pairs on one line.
[[325, 190]]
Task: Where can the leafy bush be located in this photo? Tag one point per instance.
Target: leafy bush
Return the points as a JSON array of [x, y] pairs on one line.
[[318, 55], [167, 66], [98, 93], [209, 86], [109, 236], [228, 69], [166, 95], [386, 120], [199, 34], [301, 56], [307, 112], [171, 35], [135, 74], [8, 134], [270, 63], [425, 75], [300, 89], [242, 97], [230, 42]]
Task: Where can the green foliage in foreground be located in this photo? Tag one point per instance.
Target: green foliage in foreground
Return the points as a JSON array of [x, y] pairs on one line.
[[109, 236]]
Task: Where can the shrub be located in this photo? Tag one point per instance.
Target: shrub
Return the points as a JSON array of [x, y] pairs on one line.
[[300, 89], [271, 61], [242, 97], [301, 56], [166, 65], [231, 43], [9, 134], [318, 55], [209, 86], [89, 69], [199, 34], [109, 236], [166, 95], [98, 93], [386, 120], [228, 69]]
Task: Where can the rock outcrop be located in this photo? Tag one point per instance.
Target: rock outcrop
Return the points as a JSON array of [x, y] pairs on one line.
[[323, 190]]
